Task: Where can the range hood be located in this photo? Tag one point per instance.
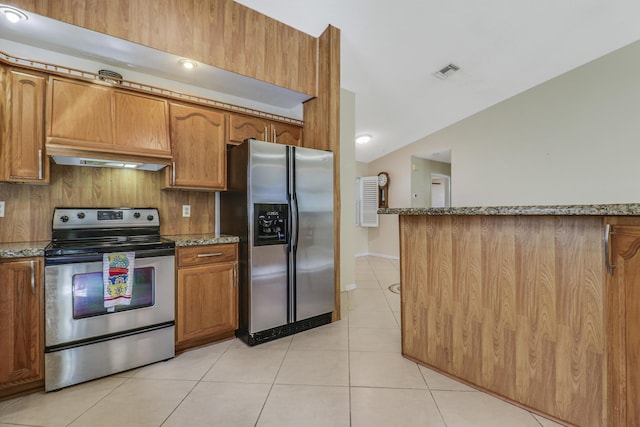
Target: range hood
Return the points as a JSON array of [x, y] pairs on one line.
[[117, 163], [107, 163]]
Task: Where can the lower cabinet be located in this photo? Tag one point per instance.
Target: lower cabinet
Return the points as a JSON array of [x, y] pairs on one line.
[[207, 294], [21, 326], [623, 331]]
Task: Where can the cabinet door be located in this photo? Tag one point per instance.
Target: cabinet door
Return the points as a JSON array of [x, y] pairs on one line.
[[624, 285], [20, 324], [207, 301], [26, 161], [198, 147], [141, 124], [283, 133], [80, 114], [244, 127]]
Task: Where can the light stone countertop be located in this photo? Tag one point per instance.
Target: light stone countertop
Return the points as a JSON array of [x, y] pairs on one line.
[[36, 249], [202, 239], [627, 209], [22, 249]]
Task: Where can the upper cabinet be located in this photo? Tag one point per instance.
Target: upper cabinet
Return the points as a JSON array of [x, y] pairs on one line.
[[198, 148], [91, 117], [22, 140], [242, 127]]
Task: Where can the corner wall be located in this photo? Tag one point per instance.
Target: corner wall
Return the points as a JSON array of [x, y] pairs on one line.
[[570, 140]]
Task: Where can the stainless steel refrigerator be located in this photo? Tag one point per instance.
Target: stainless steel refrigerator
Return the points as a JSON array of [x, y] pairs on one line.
[[280, 202]]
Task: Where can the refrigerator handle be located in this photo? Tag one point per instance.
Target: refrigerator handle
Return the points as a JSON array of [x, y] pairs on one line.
[[293, 235]]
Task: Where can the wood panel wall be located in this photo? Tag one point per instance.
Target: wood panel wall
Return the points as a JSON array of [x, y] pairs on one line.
[[322, 128], [29, 208], [221, 33], [514, 305]]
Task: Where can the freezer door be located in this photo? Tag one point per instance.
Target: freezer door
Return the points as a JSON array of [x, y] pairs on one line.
[[268, 289], [313, 240]]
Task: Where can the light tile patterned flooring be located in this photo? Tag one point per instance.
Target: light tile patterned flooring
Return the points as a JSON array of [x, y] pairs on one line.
[[349, 373]]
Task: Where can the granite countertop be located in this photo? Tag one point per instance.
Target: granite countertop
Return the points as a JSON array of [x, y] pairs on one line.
[[629, 209], [22, 249], [36, 249], [202, 239]]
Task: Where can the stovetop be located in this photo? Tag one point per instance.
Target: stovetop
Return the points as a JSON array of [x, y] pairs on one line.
[[77, 231]]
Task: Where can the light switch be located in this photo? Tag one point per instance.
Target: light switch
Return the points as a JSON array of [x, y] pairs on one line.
[[1, 208], [186, 211]]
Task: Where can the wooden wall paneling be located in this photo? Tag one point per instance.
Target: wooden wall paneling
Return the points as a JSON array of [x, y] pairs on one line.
[[414, 283], [221, 33], [439, 266], [322, 127], [29, 208], [535, 311], [524, 295], [467, 297], [499, 294], [580, 357]]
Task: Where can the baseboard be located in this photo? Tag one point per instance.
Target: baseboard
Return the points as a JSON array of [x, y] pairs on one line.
[[348, 287], [381, 256]]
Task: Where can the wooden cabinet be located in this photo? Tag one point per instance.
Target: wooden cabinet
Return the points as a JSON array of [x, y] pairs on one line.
[[198, 148], [22, 144], [623, 330], [89, 118], [207, 294], [21, 326], [242, 127]]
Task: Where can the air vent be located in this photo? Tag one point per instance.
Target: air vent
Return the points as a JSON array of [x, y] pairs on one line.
[[446, 72]]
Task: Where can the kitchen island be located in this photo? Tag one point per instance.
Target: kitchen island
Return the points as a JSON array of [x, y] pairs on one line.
[[537, 305]]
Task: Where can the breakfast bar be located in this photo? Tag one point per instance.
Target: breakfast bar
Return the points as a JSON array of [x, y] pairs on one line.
[[535, 304]]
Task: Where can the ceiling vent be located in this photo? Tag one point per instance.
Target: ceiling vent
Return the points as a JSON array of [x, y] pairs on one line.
[[446, 72]]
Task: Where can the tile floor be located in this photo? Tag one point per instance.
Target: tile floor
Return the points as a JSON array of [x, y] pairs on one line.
[[349, 373]]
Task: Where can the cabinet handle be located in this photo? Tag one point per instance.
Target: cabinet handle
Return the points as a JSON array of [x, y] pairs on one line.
[[607, 252], [274, 135], [173, 173], [209, 255], [235, 274], [39, 164], [266, 135], [33, 277]]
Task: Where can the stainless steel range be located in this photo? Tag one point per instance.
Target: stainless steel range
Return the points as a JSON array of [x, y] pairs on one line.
[[109, 294]]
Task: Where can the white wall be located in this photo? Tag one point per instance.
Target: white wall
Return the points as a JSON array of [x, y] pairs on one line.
[[572, 140], [347, 190]]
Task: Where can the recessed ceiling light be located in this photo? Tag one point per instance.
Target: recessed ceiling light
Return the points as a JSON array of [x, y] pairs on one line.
[[363, 139], [188, 64], [446, 72], [13, 15]]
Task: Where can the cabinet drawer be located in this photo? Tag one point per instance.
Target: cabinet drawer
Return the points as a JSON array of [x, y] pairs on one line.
[[197, 255]]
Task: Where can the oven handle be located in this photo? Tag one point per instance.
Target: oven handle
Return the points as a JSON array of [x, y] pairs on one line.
[[97, 256]]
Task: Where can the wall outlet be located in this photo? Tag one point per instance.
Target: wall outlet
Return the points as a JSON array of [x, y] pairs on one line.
[[1, 208], [186, 211]]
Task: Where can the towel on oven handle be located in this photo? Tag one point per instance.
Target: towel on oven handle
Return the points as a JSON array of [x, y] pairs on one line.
[[117, 274]]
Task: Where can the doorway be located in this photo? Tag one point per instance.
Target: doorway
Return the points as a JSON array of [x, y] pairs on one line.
[[440, 190]]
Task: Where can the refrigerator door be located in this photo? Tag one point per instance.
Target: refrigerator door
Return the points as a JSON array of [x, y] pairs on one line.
[[268, 289], [313, 240]]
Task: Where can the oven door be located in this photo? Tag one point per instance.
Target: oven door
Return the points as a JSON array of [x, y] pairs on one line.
[[74, 295]]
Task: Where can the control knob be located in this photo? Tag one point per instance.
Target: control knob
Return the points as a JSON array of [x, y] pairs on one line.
[[149, 217], [64, 218], [136, 215], [81, 215]]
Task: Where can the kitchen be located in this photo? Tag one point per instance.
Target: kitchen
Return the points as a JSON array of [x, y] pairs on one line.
[[34, 198], [190, 215]]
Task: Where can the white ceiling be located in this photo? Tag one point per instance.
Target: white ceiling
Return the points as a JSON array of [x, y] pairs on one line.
[[390, 49]]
